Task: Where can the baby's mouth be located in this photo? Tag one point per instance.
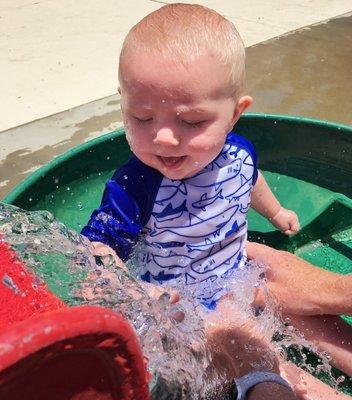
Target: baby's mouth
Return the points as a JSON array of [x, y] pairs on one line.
[[171, 161]]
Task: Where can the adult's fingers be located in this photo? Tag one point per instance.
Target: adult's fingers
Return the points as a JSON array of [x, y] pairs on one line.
[[259, 299]]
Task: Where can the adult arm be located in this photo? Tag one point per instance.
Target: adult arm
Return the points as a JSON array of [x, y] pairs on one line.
[[300, 287]]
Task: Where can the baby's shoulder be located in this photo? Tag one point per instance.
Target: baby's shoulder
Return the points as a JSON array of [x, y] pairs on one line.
[[241, 143]]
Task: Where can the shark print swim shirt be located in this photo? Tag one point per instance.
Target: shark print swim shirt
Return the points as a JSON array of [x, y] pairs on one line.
[[190, 232]]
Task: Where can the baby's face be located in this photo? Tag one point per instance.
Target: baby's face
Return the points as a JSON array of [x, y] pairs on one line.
[[176, 118]]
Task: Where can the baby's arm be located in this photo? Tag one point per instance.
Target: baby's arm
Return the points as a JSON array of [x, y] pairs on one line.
[[266, 204], [154, 291]]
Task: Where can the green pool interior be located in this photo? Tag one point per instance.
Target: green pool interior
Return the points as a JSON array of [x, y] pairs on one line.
[[319, 210], [325, 216], [308, 165]]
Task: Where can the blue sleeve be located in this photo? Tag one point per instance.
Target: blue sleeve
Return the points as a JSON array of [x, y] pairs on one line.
[[245, 144], [125, 208]]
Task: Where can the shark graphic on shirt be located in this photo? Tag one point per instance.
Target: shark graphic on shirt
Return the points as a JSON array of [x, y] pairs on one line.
[[206, 288], [204, 245], [191, 280], [204, 227], [224, 255], [172, 191], [206, 201], [165, 245], [217, 177], [172, 260], [161, 277], [170, 213], [245, 187]]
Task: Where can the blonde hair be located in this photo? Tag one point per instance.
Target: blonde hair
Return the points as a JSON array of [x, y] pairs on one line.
[[183, 32]]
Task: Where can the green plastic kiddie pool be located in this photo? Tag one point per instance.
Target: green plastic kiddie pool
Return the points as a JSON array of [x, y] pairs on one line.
[[307, 163]]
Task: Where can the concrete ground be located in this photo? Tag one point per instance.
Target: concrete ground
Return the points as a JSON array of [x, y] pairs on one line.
[[59, 57]]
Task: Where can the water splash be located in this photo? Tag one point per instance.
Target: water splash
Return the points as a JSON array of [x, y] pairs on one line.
[[65, 261], [179, 360]]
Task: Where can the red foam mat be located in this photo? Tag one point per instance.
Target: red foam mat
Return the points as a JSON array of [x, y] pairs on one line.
[[51, 351], [22, 295], [79, 353]]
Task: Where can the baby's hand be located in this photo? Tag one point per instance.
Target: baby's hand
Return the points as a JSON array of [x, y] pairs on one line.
[[104, 251], [156, 292], [286, 221]]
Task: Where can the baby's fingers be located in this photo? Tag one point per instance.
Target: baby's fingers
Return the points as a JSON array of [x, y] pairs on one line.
[[294, 227], [177, 316], [291, 231], [174, 296]]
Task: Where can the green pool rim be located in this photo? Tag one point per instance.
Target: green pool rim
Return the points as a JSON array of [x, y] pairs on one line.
[[43, 171]]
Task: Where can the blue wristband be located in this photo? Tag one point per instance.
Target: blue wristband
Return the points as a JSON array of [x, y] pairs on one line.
[[252, 379]]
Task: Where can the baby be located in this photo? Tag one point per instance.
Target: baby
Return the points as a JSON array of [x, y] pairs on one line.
[[191, 179], [185, 192]]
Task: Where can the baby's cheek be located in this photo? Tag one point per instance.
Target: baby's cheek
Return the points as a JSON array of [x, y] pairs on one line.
[[207, 143], [131, 136], [129, 140]]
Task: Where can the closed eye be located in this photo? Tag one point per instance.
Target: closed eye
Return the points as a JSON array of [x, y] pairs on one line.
[[193, 124], [142, 120]]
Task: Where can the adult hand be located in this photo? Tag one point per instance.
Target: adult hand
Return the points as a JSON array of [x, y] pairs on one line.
[[299, 287]]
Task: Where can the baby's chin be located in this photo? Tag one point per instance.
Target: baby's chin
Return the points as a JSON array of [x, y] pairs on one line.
[[184, 173], [174, 168]]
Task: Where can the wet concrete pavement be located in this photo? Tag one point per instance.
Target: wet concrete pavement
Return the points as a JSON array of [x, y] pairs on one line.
[[306, 72], [59, 132], [60, 54]]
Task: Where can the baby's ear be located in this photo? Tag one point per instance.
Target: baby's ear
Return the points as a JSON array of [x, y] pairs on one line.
[[243, 103]]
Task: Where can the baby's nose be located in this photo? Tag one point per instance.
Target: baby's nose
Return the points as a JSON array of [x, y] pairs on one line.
[[166, 137]]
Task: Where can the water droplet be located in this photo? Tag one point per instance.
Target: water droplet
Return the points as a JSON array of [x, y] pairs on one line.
[[340, 379], [7, 281]]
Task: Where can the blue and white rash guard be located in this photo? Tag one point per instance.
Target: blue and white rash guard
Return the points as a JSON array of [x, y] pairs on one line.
[[193, 230]]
